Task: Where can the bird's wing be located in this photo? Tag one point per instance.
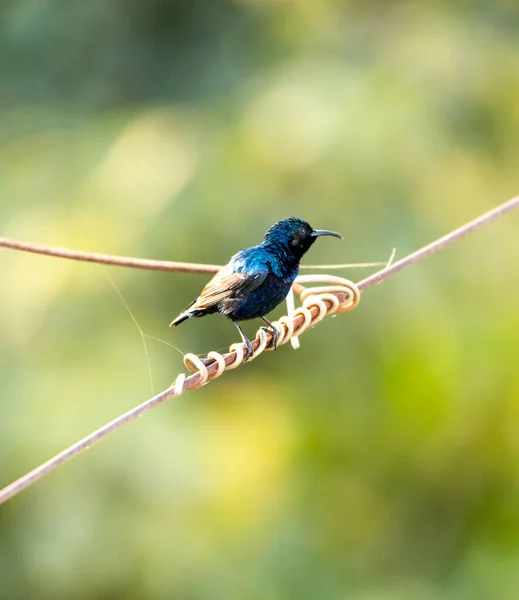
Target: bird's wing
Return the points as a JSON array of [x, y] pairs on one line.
[[239, 275]]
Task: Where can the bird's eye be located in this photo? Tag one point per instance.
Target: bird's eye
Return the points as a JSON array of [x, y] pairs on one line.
[[302, 231]]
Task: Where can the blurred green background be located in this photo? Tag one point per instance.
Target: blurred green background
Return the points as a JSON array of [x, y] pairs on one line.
[[379, 461]]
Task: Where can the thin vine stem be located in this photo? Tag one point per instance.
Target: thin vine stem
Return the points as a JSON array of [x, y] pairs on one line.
[[191, 382], [440, 243], [108, 259]]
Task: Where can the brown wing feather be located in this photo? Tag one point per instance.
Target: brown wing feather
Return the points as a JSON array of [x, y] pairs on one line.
[[224, 285]]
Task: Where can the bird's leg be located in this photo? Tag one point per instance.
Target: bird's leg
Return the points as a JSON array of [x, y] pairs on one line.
[[273, 332], [246, 341]]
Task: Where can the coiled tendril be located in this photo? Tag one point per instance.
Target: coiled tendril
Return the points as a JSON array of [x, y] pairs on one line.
[[317, 302]]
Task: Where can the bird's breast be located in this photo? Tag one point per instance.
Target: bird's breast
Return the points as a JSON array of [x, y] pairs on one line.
[[259, 302]]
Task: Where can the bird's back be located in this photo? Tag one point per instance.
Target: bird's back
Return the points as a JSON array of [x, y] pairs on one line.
[[264, 259], [276, 276]]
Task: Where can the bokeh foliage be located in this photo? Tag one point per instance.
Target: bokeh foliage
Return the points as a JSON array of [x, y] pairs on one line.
[[381, 460]]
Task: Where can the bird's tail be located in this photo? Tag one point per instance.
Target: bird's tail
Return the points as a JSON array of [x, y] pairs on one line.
[[180, 319], [183, 316]]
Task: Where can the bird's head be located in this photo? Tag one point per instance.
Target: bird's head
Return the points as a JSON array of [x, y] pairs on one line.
[[295, 235]]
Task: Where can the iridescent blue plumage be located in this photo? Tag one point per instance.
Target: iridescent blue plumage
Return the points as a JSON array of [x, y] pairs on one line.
[[257, 279]]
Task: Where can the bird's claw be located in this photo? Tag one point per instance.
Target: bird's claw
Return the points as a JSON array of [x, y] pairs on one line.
[[249, 350], [275, 336]]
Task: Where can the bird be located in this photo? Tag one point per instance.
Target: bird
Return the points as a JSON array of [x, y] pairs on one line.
[[257, 279]]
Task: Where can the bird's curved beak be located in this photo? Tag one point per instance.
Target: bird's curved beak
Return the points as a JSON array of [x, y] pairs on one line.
[[318, 232]]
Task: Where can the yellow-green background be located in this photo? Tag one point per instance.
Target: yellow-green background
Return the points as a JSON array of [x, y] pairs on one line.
[[381, 460]]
